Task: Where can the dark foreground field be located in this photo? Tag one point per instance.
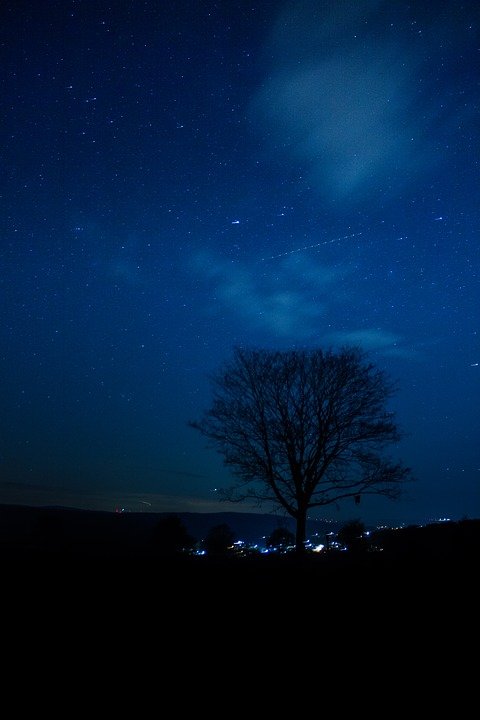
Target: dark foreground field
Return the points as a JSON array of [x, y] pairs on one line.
[[90, 606], [109, 581], [51, 549], [264, 607], [102, 612]]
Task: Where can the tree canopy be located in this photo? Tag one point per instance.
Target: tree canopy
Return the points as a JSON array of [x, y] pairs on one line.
[[352, 535], [303, 429], [280, 537], [219, 539], [171, 535]]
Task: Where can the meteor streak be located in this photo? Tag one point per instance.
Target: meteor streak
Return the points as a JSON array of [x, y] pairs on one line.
[[311, 247]]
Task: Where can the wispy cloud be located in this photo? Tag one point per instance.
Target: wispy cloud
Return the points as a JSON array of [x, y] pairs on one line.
[[292, 299], [371, 339], [289, 303], [345, 101]]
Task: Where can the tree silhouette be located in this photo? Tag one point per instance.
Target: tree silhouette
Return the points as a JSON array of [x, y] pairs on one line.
[[352, 535], [303, 429], [171, 536], [280, 537], [219, 540]]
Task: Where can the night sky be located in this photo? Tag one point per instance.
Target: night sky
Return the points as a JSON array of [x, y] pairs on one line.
[[179, 178]]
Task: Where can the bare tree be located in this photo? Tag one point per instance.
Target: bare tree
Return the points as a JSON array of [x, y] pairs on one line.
[[303, 429]]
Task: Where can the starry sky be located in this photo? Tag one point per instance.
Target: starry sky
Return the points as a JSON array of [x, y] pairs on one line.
[[181, 178]]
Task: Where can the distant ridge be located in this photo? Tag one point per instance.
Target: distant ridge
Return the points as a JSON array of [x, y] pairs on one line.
[[19, 522]]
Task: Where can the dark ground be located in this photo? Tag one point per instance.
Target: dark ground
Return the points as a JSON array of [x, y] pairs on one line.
[[87, 609], [58, 546], [100, 583]]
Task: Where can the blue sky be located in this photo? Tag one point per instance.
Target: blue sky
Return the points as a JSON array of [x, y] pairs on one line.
[[181, 180]]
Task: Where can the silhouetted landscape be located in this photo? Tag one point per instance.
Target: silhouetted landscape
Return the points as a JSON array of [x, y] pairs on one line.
[[81, 529], [67, 540], [79, 577]]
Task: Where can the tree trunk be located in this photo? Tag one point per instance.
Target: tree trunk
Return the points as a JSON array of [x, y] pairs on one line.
[[301, 531]]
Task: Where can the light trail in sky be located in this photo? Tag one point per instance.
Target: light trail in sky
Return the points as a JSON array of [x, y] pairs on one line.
[[311, 247]]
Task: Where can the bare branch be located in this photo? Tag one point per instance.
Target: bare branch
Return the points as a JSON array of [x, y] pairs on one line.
[[302, 429]]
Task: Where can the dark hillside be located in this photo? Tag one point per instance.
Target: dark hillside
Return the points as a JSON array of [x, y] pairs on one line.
[[101, 571], [22, 525]]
